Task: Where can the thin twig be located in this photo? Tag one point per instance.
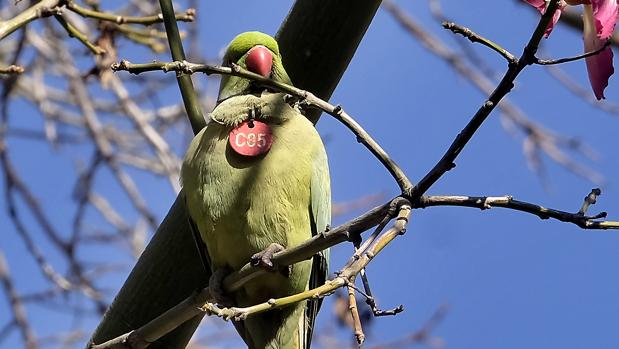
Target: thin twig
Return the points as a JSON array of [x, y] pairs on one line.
[[189, 308], [572, 59], [188, 92], [81, 37], [151, 38], [486, 202], [12, 69], [538, 139], [164, 154], [474, 37], [16, 305], [354, 313], [187, 16], [305, 97], [343, 277], [41, 9], [371, 300], [507, 82], [590, 199], [421, 336]]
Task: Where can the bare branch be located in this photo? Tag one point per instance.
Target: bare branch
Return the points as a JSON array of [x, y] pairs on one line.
[[17, 307], [41, 9], [190, 307], [572, 59], [507, 82], [75, 33], [538, 139], [185, 85], [305, 97], [486, 202], [421, 336], [12, 69], [474, 37], [354, 313], [187, 16]]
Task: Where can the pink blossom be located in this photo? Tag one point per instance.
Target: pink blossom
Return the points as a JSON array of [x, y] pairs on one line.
[[540, 5], [600, 66], [600, 17], [605, 15]]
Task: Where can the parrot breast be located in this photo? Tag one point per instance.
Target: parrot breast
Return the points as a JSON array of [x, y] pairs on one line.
[[242, 204]]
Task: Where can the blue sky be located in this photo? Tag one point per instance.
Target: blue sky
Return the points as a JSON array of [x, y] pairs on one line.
[[511, 280]]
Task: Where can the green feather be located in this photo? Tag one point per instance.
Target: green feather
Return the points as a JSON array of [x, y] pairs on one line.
[[241, 205], [320, 209]]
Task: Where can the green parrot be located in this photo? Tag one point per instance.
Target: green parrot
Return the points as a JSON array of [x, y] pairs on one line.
[[256, 180]]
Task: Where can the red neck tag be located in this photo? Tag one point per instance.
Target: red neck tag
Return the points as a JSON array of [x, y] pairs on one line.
[[251, 141]]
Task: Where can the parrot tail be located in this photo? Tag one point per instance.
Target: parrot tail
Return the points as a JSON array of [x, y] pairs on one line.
[[284, 328]]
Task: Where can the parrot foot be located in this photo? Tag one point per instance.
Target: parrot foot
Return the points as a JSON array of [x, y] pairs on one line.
[[215, 283], [264, 259]]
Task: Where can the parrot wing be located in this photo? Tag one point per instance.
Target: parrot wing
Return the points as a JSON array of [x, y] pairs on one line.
[[200, 245], [206, 263], [320, 213]]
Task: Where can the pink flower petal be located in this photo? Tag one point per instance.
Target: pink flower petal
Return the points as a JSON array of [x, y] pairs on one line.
[[578, 2], [600, 66], [540, 5], [555, 19], [605, 14]]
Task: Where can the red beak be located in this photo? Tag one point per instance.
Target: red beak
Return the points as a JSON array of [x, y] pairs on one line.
[[260, 60]]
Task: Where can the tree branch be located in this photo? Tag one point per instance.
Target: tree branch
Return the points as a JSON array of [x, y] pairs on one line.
[[12, 69], [572, 59], [75, 33], [187, 16], [306, 98], [486, 202], [17, 307], [200, 302], [38, 10], [47, 8], [537, 139], [327, 33], [190, 98], [507, 82], [474, 37]]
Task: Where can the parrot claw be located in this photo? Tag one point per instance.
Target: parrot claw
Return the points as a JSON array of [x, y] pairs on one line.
[[264, 259], [215, 283]]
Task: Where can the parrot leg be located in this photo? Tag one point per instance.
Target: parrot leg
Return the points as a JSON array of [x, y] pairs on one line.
[[215, 283], [264, 259]]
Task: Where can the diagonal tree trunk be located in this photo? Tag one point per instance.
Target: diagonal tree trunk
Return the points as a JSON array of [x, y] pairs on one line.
[[318, 39]]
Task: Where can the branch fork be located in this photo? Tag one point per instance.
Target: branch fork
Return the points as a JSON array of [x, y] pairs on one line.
[[201, 302]]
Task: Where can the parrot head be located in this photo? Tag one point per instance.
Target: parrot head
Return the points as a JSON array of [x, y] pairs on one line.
[[256, 52]]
